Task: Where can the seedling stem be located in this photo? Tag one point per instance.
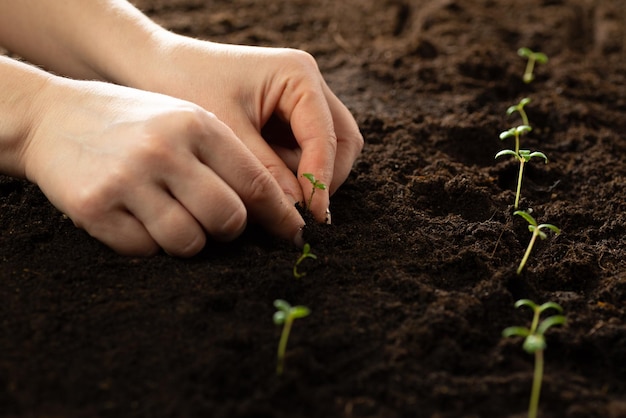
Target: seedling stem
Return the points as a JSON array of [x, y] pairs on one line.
[[535, 343], [532, 57], [520, 109], [516, 133], [306, 253], [316, 184], [537, 232], [523, 156], [285, 316]]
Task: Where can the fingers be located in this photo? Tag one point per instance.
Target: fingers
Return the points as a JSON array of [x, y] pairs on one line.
[[290, 156], [244, 173], [326, 132], [138, 220], [278, 167], [312, 126], [102, 213], [349, 139], [123, 232], [174, 213], [198, 202], [189, 177], [349, 143], [212, 203], [213, 189]]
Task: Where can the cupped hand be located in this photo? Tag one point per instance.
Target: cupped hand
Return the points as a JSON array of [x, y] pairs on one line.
[[142, 171], [275, 100]]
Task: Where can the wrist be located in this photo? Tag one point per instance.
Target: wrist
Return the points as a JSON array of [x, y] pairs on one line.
[[20, 107], [155, 69], [131, 62]]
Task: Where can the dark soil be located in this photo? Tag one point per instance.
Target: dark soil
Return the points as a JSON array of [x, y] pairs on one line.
[[414, 281]]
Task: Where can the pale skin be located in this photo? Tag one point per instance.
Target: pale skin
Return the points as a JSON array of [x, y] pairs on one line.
[[167, 148]]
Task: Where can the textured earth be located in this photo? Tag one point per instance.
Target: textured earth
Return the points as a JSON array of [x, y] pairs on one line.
[[414, 281]]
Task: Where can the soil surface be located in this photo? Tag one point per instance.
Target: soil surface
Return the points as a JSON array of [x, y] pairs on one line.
[[416, 278]]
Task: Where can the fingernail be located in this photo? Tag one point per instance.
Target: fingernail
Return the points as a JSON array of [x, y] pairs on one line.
[[328, 217], [299, 238]]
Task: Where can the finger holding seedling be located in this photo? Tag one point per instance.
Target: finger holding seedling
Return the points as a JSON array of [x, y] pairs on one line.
[[535, 343], [285, 316], [532, 57], [536, 230], [315, 185]]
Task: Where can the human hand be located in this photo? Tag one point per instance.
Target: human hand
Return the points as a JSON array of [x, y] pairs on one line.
[[276, 102], [140, 170]]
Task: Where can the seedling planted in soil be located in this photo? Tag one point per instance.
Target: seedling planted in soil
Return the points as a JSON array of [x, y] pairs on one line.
[[532, 57], [535, 343], [520, 109], [306, 253], [316, 185], [285, 316], [522, 155], [537, 232]]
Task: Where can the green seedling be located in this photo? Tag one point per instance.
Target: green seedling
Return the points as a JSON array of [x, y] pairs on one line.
[[523, 156], [520, 109], [537, 232], [306, 253], [316, 185], [285, 316], [535, 343], [516, 133], [532, 57]]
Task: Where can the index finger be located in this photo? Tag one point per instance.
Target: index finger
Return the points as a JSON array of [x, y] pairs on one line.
[[312, 126], [349, 139], [303, 105], [330, 142]]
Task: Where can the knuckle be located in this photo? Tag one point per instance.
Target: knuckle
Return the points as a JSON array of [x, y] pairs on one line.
[[194, 118], [160, 143], [301, 57], [152, 149], [298, 61], [92, 202], [260, 186], [274, 169], [233, 225], [85, 207]]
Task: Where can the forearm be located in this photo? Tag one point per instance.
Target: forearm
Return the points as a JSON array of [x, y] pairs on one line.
[[96, 39], [20, 87]]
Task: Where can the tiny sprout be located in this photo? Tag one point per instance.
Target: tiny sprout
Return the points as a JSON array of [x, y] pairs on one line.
[[306, 253], [532, 57], [537, 232], [285, 317], [316, 185], [520, 109], [523, 156], [535, 343], [516, 133]]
